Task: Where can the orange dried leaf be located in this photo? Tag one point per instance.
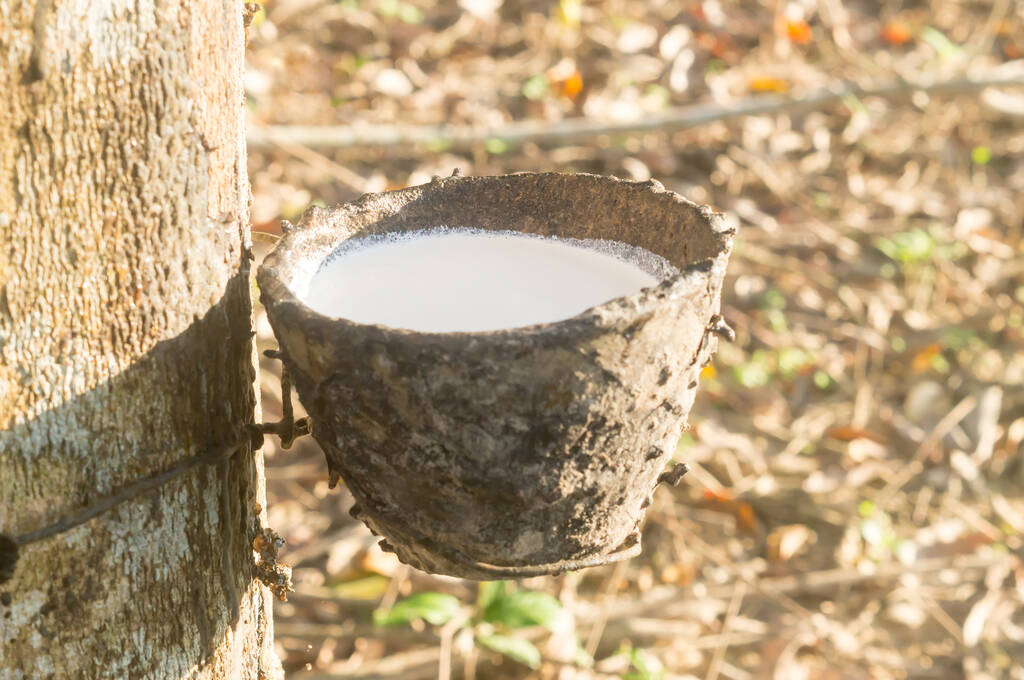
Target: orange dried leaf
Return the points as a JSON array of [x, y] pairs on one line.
[[573, 85], [846, 433], [798, 32], [990, 233], [680, 574], [895, 33], [722, 496], [923, 359], [768, 85], [717, 45], [720, 49], [745, 517]]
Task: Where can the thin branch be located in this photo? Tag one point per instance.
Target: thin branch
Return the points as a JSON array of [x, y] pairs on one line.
[[671, 601], [914, 466], [415, 664], [577, 129], [739, 590]]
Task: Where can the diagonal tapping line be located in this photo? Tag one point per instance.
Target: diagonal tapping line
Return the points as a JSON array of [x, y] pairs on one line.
[[288, 429]]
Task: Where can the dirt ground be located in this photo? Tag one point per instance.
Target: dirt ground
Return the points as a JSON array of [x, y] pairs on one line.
[[856, 503]]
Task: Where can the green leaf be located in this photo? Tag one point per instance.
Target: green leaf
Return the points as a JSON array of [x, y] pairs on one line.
[[792, 359], [854, 104], [489, 591], [525, 608], [513, 647], [536, 87], [658, 95], [369, 588], [907, 247], [822, 380], [410, 14], [957, 338], [981, 155], [438, 144], [434, 608], [496, 145], [715, 66], [773, 298], [646, 666], [777, 320], [403, 11], [581, 657], [753, 373], [942, 45]]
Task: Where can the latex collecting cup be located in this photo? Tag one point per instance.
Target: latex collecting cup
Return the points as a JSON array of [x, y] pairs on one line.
[[514, 452]]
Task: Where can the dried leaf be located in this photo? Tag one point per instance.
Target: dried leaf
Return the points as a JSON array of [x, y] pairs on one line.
[[974, 624], [863, 448], [895, 33], [745, 517], [722, 496], [798, 32], [907, 614], [636, 38], [845, 433], [787, 541], [367, 588], [767, 84], [923, 360], [717, 45], [376, 561], [573, 85]]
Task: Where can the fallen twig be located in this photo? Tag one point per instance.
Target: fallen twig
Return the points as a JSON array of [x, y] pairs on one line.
[[725, 639], [415, 664], [306, 630], [915, 465], [576, 129], [669, 600]]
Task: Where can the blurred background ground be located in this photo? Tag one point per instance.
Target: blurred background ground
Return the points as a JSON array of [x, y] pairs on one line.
[[856, 504]]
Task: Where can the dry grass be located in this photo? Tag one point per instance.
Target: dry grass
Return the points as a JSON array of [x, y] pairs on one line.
[[856, 507]]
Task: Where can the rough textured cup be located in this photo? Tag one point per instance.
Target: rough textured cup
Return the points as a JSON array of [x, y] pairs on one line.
[[515, 452]]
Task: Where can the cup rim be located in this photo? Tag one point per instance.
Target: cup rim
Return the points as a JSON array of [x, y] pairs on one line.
[[617, 312]]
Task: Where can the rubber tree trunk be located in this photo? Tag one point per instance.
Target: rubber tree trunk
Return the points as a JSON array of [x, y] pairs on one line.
[[125, 346]]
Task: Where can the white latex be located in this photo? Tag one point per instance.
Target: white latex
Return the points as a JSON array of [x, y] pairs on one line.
[[447, 280]]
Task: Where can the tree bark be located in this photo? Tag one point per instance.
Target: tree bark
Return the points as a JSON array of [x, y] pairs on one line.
[[125, 345]]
